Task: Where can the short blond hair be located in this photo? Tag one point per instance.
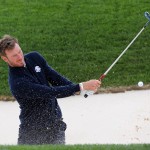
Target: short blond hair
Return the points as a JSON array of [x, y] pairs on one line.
[[7, 43]]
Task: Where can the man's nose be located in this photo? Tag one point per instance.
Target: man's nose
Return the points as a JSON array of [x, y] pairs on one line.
[[19, 56]]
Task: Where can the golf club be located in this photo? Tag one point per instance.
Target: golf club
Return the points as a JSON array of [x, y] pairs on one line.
[[147, 15]]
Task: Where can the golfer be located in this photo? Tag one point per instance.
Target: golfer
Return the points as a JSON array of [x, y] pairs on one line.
[[36, 87]]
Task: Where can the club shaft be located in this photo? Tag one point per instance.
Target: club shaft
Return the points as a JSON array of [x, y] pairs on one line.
[[123, 52], [103, 75]]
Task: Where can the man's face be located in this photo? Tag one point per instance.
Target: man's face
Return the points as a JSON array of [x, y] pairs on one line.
[[14, 57]]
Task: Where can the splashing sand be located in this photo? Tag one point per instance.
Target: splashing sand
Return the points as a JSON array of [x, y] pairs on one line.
[[121, 118]]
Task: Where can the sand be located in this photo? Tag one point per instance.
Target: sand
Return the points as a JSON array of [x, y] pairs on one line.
[[114, 118]]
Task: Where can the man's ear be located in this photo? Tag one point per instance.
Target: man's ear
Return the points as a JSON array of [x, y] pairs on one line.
[[4, 58]]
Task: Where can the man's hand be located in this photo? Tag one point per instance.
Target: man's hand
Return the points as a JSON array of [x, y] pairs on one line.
[[91, 85]]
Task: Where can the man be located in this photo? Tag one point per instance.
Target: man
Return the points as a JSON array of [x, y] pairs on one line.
[[36, 87]]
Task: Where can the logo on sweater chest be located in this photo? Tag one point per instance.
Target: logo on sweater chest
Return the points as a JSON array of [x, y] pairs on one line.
[[37, 69]]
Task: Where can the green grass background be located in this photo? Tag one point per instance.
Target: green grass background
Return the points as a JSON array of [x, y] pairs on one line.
[[79, 147], [81, 38]]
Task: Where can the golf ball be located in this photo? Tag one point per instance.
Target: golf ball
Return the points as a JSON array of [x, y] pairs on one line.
[[140, 84]]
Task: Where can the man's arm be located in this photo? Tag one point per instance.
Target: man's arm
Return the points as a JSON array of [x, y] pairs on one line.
[[60, 82], [25, 88], [52, 76], [55, 78]]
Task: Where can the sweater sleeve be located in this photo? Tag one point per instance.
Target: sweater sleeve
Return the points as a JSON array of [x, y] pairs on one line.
[[28, 89], [53, 76]]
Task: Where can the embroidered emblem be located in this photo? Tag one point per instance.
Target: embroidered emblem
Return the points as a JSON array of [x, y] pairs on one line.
[[37, 69]]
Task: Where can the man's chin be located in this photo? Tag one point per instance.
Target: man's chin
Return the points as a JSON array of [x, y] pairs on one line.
[[20, 64], [17, 65]]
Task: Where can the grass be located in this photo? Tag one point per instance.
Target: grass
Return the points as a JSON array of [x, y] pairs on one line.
[[79, 147], [81, 39]]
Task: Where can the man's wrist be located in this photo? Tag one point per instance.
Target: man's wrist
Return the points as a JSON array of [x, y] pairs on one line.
[[81, 86]]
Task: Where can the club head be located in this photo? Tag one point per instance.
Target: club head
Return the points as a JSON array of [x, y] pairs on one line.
[[147, 15]]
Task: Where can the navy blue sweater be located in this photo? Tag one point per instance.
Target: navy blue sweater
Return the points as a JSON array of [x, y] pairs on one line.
[[36, 87]]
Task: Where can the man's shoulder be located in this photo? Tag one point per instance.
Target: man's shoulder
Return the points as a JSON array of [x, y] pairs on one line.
[[32, 54], [35, 57]]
